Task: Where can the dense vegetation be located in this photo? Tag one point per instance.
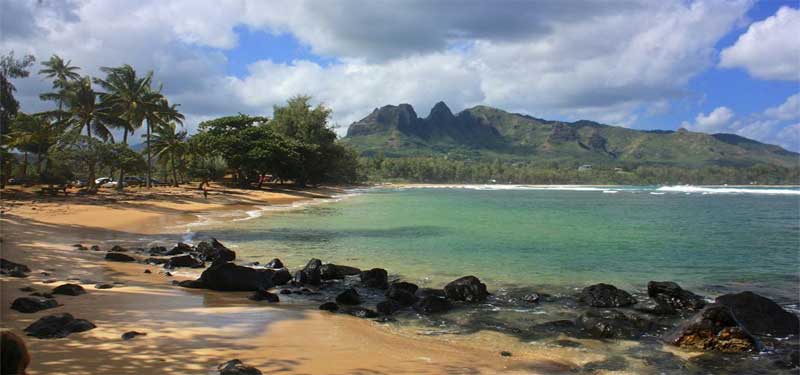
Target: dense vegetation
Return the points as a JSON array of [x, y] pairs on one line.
[[75, 140], [442, 170]]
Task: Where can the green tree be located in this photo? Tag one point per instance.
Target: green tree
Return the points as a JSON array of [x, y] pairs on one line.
[[170, 143], [159, 113], [128, 96], [36, 134], [10, 68]]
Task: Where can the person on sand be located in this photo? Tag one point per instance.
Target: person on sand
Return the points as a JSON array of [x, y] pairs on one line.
[[14, 354], [205, 191]]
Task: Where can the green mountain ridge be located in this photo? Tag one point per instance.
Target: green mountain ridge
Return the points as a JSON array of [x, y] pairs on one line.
[[486, 133]]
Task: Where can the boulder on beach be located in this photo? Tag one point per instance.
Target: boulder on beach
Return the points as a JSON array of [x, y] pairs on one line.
[[104, 286], [388, 307], [613, 324], [57, 326], [605, 295], [402, 292], [180, 248], [14, 353], [215, 251], [69, 290], [424, 292], [231, 277], [466, 289], [236, 367], [760, 315], [375, 278], [29, 305], [432, 304], [118, 249], [335, 271], [311, 274], [274, 263], [131, 334], [157, 250], [714, 328], [184, 261], [119, 257], [191, 284], [263, 295], [671, 297], [281, 276], [10, 268], [329, 306], [348, 297]]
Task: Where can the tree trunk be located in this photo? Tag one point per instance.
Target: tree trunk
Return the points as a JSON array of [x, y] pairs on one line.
[[91, 185], [149, 163], [121, 169], [174, 172], [25, 165]]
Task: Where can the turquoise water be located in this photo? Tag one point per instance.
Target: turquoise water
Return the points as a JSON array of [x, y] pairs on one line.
[[554, 241], [547, 240]]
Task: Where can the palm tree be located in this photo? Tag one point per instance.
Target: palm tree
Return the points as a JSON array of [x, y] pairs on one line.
[[169, 142], [158, 113], [84, 112], [62, 74], [129, 97]]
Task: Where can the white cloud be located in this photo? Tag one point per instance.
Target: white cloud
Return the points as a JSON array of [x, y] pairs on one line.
[[605, 61], [774, 125], [789, 110], [770, 49], [716, 121]]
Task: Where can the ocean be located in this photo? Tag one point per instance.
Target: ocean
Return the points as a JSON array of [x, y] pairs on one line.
[[553, 241]]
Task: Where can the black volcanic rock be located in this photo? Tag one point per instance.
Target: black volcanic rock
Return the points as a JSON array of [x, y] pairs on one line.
[[467, 289], [714, 328], [231, 277], [760, 315], [671, 297], [375, 278], [335, 271], [57, 326], [119, 257], [30, 305], [605, 295]]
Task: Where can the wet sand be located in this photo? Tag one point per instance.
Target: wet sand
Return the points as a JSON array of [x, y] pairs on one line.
[[192, 331]]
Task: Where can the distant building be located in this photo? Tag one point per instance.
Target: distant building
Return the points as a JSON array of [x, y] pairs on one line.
[[585, 167]]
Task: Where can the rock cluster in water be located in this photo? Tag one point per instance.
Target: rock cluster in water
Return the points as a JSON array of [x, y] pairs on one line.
[[732, 323]]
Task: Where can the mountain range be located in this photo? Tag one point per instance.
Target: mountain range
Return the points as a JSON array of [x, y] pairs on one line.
[[486, 133]]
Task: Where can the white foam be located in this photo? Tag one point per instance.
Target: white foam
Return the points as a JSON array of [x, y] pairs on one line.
[[705, 190], [505, 187], [610, 191]]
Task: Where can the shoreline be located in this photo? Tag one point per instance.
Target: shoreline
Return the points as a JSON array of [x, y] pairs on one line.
[[192, 331]]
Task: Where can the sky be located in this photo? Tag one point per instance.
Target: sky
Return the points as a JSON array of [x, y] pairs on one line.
[[713, 66]]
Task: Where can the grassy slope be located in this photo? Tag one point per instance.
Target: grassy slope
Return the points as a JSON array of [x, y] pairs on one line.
[[529, 139]]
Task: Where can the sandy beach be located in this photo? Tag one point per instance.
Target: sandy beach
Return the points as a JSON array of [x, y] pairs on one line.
[[191, 331]]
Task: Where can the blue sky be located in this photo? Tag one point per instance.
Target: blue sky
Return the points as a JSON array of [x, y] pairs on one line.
[[708, 65]]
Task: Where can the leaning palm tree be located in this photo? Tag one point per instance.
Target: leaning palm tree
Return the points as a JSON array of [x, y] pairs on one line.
[[158, 113], [128, 96], [168, 142], [62, 73]]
